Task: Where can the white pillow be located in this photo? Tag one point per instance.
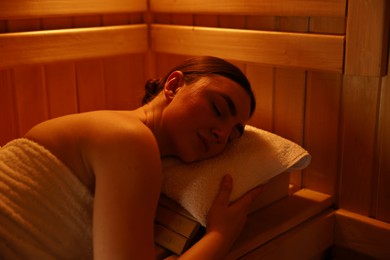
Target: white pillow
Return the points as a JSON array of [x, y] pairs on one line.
[[251, 160]]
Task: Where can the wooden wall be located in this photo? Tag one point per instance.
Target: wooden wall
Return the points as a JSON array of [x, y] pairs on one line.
[[78, 70], [297, 98], [318, 68]]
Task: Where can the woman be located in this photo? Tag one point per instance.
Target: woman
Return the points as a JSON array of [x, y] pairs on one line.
[[197, 109]]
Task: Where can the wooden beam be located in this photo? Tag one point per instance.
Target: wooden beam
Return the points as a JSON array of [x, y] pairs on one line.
[[308, 51], [367, 38], [71, 44], [306, 241], [253, 7], [22, 9], [362, 234], [278, 218]]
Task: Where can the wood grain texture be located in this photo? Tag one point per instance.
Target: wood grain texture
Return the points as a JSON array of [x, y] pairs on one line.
[[362, 234], [383, 191], [307, 241], [48, 8], [300, 50], [322, 134], [264, 225], [367, 37], [359, 134], [71, 44], [252, 7]]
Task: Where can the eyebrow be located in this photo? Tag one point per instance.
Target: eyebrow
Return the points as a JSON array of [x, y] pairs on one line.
[[233, 112]]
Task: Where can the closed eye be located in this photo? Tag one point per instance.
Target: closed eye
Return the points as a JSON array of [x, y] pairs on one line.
[[216, 110]]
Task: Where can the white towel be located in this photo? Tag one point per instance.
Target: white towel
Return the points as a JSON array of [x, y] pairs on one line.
[[252, 160], [45, 211]]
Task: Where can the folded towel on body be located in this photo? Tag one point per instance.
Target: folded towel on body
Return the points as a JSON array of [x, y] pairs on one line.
[[45, 211], [252, 160]]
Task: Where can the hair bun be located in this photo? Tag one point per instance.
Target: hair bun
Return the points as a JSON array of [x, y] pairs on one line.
[[152, 88]]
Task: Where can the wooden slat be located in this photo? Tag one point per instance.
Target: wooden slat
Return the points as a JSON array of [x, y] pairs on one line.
[[70, 44], [253, 7], [307, 241], [262, 81], [289, 105], [360, 101], [47, 8], [90, 85], [383, 199], [8, 114], [322, 123], [310, 51], [60, 79], [362, 234], [31, 97], [124, 78], [367, 37], [266, 224]]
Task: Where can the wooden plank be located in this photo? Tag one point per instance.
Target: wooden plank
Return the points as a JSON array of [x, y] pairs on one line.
[[330, 25], [383, 194], [253, 7], [322, 124], [262, 82], [31, 97], [60, 79], [360, 101], [292, 24], [303, 242], [367, 37], [362, 234], [310, 51], [47, 8], [124, 80], [70, 44], [8, 117], [90, 85], [289, 105], [276, 219]]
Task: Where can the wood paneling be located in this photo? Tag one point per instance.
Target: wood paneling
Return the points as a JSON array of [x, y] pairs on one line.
[[321, 138], [253, 7], [362, 234], [289, 109], [71, 44], [359, 124], [31, 102], [8, 116], [383, 152], [47, 8], [262, 81], [266, 224], [309, 51], [61, 89], [316, 234], [367, 37]]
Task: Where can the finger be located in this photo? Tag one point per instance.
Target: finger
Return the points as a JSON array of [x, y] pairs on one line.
[[225, 189]]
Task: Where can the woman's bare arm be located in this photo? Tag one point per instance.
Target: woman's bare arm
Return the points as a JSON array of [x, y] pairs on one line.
[[225, 222], [128, 182]]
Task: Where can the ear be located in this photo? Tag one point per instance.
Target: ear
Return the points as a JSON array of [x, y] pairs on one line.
[[173, 84]]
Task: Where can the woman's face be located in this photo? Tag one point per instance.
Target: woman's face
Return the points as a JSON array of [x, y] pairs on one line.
[[204, 116]]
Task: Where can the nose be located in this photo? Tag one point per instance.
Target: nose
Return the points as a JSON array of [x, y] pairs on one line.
[[220, 135]]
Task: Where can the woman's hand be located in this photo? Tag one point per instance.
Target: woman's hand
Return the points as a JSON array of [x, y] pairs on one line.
[[224, 223], [226, 218]]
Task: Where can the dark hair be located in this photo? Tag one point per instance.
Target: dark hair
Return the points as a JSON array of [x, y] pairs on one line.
[[197, 67]]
